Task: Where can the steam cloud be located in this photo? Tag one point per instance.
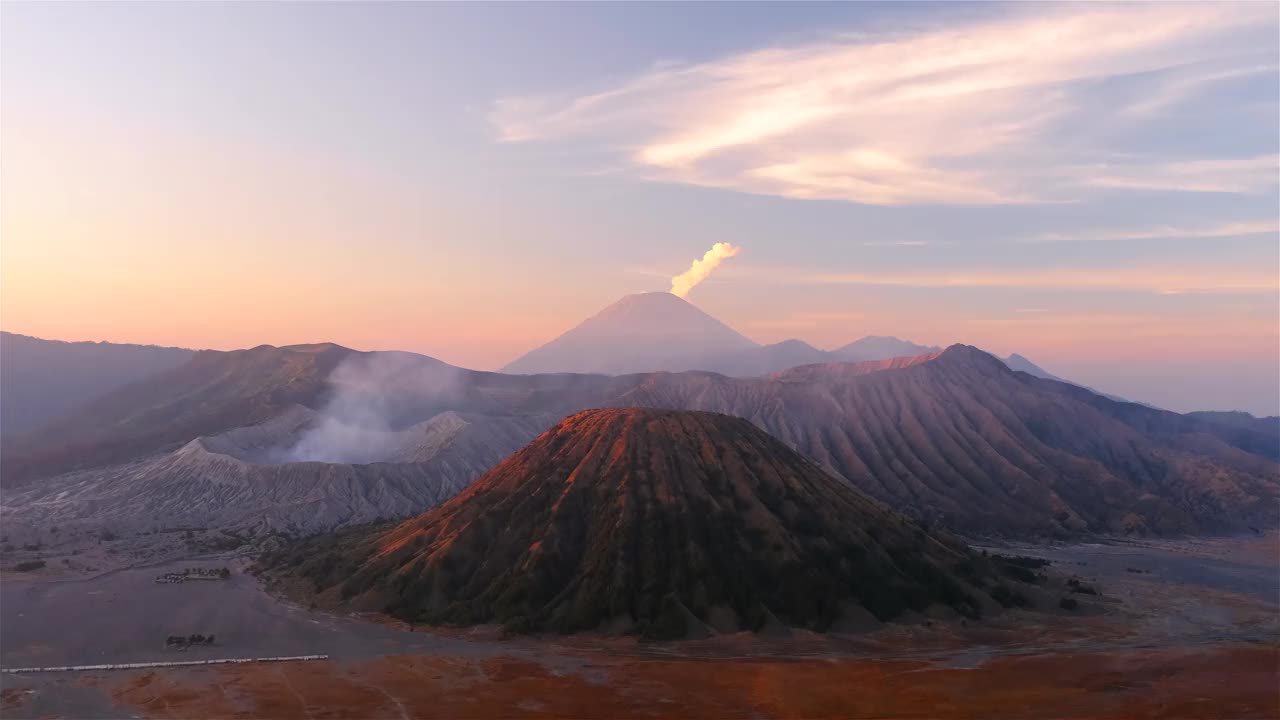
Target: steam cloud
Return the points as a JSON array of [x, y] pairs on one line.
[[700, 269], [375, 399]]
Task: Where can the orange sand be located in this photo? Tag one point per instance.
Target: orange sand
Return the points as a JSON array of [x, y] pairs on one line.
[[1223, 682]]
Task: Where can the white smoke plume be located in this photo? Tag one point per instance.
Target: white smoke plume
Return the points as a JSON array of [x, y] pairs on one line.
[[700, 269], [373, 398]]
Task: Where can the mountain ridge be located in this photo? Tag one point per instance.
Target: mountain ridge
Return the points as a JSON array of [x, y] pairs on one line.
[[40, 379], [954, 438], [621, 338], [232, 388], [238, 480]]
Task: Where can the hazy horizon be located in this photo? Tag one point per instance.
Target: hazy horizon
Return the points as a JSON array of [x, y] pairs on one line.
[[1093, 186], [1141, 384]]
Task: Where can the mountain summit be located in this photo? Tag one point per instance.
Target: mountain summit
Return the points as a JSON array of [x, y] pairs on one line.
[[878, 347], [639, 333]]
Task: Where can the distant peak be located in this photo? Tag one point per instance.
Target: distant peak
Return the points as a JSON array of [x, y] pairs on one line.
[[970, 354], [652, 305], [792, 342], [661, 294], [652, 298], [642, 332], [316, 347], [877, 347]]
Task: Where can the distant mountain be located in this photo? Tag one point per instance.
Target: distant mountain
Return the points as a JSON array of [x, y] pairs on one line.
[[954, 439], [639, 333], [758, 361], [1260, 436], [43, 379], [1022, 364], [657, 522], [652, 332], [1269, 425], [831, 373], [770, 359], [211, 392], [875, 347], [960, 440]]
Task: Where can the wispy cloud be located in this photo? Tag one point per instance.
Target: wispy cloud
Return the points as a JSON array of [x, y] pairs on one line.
[[1182, 85], [903, 243], [1165, 232], [1155, 280], [1236, 175], [963, 115]]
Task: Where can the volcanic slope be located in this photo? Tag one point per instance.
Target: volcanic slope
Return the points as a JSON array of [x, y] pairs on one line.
[[659, 522], [244, 479], [211, 393], [959, 439], [41, 380]]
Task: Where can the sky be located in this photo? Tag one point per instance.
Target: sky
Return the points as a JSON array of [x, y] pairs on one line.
[[1093, 186]]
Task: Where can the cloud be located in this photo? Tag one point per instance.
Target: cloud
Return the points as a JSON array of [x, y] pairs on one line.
[[1237, 175], [1161, 281], [901, 243], [1181, 86], [1165, 232], [970, 113]]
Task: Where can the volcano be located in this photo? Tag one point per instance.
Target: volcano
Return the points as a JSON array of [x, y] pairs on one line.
[[656, 521], [639, 333]]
